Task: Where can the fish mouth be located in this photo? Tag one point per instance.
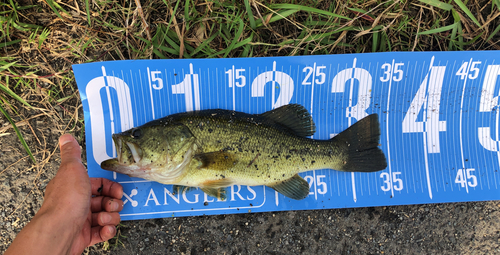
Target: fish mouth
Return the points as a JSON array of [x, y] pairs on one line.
[[129, 154]]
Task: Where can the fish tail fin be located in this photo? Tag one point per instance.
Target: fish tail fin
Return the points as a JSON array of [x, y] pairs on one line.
[[359, 144]]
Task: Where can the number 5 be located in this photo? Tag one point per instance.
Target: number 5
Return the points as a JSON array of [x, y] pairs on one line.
[[320, 183], [243, 79], [157, 79]]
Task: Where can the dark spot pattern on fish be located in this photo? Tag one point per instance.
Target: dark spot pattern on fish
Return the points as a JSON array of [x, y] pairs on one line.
[[288, 156], [228, 149]]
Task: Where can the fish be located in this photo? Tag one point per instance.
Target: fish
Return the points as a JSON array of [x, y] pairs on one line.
[[214, 149]]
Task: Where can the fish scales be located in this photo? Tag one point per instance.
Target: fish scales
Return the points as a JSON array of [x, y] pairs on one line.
[[213, 149], [262, 153]]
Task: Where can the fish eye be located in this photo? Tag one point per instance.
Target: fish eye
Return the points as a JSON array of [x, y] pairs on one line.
[[137, 133]]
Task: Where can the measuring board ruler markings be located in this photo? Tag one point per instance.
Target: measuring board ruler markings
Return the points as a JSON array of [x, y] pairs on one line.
[[438, 112]]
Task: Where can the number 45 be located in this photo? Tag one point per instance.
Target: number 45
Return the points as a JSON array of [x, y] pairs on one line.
[[462, 173], [473, 72]]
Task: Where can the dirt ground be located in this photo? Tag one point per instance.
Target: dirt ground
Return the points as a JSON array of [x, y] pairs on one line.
[[459, 228]]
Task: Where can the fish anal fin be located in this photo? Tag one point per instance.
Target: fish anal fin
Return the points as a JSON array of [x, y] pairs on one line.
[[294, 117], [216, 188], [219, 193], [296, 187], [217, 160]]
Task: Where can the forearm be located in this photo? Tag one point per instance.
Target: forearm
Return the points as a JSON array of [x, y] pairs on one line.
[[45, 234]]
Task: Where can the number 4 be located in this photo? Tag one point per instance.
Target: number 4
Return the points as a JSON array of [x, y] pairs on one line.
[[427, 99]]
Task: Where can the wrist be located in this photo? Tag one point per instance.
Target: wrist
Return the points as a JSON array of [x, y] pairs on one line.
[[47, 233]]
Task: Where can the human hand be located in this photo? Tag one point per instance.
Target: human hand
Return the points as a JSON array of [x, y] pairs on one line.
[[77, 211]]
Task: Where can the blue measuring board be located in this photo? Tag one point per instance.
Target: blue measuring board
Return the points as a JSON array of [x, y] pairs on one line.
[[438, 112]]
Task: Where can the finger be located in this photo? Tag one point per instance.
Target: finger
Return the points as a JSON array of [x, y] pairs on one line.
[[108, 204], [105, 187], [105, 218], [70, 149], [101, 234]]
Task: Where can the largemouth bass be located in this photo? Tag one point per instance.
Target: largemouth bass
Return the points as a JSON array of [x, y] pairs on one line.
[[214, 149]]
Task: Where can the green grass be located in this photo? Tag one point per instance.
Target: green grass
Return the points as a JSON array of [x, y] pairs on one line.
[[37, 53]]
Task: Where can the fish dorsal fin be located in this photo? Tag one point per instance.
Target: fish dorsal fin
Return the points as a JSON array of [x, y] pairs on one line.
[[217, 160], [295, 187], [294, 117]]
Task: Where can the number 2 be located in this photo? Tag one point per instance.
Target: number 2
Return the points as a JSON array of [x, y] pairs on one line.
[[319, 183]]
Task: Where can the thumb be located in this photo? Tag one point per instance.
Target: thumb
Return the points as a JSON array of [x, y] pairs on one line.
[[70, 149]]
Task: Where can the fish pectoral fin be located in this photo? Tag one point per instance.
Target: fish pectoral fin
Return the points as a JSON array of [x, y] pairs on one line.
[[219, 193], [217, 160], [221, 183], [295, 187], [294, 117], [179, 189]]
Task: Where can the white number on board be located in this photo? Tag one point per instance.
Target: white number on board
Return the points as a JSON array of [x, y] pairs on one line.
[[155, 78], [464, 70], [346, 77], [489, 103], [314, 71], [190, 87], [389, 71], [320, 184], [427, 100], [397, 183], [466, 174], [235, 77]]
